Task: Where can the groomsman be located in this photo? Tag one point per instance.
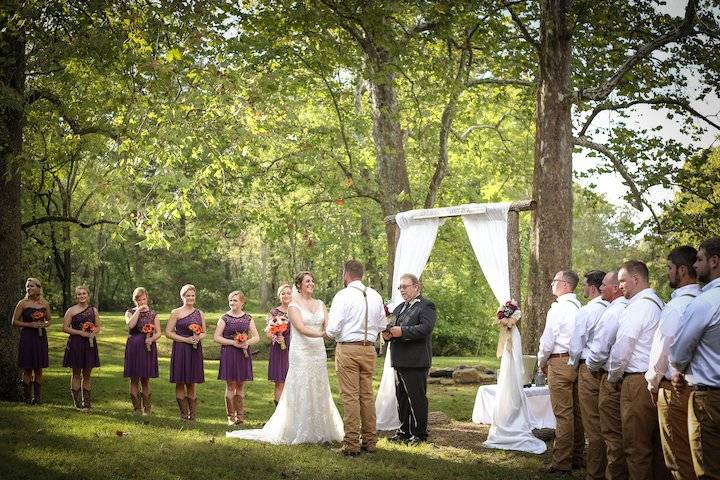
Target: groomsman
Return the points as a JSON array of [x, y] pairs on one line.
[[411, 352], [586, 320], [696, 355], [597, 363], [553, 357], [672, 403], [629, 358]]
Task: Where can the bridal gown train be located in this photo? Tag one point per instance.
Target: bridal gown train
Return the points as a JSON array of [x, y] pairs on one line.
[[306, 412]]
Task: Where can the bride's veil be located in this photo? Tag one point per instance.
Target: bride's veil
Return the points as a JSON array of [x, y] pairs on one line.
[[295, 294]]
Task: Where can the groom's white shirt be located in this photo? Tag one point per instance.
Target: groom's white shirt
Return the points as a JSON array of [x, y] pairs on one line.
[[347, 314]]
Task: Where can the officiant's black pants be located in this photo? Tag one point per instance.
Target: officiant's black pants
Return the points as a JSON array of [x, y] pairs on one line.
[[411, 394]]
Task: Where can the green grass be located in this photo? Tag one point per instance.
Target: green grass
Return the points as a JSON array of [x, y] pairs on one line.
[[53, 441]]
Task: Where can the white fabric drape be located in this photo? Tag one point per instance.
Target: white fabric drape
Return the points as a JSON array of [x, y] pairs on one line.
[[417, 237], [511, 426]]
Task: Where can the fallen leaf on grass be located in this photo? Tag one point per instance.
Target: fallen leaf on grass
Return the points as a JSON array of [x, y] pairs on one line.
[[120, 433]]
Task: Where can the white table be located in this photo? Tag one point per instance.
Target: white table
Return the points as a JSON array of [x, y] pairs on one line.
[[538, 402]]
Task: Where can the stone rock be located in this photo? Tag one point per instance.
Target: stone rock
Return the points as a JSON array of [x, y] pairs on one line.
[[488, 378], [438, 418], [440, 372], [433, 380], [447, 381], [466, 375]]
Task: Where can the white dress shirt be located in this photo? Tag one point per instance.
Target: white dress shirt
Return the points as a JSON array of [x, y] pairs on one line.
[[347, 314], [631, 351], [605, 333], [586, 320], [697, 342], [670, 317], [559, 327]]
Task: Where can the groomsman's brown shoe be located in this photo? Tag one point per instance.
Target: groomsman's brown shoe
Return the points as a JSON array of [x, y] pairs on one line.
[[368, 448], [348, 452]]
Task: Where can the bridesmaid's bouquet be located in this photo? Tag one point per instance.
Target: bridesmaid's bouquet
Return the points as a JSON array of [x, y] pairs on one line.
[[197, 330], [241, 338], [278, 326], [39, 316], [89, 327], [148, 329]]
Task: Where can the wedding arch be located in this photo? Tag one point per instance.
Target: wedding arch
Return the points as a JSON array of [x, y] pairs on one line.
[[493, 231]]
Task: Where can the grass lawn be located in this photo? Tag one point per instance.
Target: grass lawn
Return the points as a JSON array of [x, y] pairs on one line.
[[53, 441]]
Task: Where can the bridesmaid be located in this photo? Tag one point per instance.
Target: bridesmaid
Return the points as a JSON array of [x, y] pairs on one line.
[[278, 360], [186, 358], [141, 359], [80, 355], [32, 316], [235, 356]]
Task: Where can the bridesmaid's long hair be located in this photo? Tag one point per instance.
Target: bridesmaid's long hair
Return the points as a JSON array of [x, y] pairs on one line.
[[40, 297]]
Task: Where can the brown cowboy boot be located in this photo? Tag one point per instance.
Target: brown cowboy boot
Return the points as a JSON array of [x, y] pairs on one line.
[[77, 399], [192, 402], [239, 401], [230, 411], [184, 410], [136, 404], [27, 393], [87, 404], [36, 393], [147, 404]]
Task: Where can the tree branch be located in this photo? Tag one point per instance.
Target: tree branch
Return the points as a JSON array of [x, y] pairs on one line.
[[60, 218], [584, 142], [500, 82], [683, 30], [521, 26], [678, 102]]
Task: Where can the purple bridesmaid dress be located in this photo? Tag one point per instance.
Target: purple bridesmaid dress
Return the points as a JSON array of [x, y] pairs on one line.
[[186, 362], [138, 361], [278, 361], [234, 365], [33, 348], [78, 352]]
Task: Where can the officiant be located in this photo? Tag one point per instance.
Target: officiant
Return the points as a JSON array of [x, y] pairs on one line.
[[411, 352]]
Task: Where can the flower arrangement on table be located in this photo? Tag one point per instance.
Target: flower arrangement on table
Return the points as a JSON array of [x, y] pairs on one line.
[[39, 316], [90, 327], [242, 338], [148, 329], [197, 330], [507, 316]]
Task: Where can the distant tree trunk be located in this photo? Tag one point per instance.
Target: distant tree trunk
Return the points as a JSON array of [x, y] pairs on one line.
[[552, 179], [12, 122], [264, 293]]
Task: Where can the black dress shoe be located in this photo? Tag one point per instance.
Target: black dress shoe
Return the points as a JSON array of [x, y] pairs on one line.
[[399, 438], [416, 440]]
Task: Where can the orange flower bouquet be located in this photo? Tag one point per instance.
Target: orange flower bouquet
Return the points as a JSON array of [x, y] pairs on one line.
[[197, 330], [148, 329], [90, 327], [39, 316], [242, 338], [277, 330]]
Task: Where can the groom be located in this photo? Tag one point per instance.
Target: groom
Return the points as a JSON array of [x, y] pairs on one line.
[[356, 318], [411, 353]]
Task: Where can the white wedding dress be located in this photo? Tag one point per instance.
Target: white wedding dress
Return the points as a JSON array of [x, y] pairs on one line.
[[305, 412]]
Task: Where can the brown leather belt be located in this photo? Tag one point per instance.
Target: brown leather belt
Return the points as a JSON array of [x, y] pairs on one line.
[[582, 361], [629, 374], [360, 342], [559, 355], [704, 388]]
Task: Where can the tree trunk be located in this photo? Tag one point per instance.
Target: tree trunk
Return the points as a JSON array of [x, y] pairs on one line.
[[552, 181], [389, 152], [12, 122], [265, 295]]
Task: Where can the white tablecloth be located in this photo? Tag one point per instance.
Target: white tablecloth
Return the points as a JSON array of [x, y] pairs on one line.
[[538, 402]]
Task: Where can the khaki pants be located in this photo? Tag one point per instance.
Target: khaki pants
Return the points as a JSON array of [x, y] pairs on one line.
[[569, 439], [355, 365], [589, 392], [641, 434], [704, 433], [672, 405], [611, 428]]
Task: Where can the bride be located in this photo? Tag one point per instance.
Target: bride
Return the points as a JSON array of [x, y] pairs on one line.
[[306, 412]]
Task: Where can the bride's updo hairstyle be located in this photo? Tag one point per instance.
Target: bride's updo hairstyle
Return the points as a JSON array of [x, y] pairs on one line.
[[300, 277]]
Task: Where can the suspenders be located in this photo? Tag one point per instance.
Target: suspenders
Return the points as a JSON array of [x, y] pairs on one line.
[[651, 300], [364, 292]]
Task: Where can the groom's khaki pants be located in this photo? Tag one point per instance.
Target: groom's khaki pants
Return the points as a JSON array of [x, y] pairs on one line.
[[569, 439], [355, 365]]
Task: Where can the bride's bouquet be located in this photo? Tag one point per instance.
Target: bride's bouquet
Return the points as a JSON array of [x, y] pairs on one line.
[[507, 316]]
